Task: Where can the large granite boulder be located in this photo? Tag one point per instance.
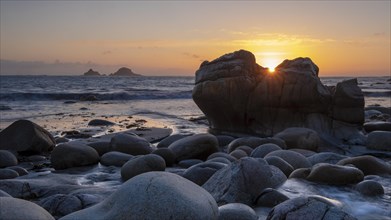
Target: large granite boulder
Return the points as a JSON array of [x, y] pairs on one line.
[[153, 195], [19, 209], [243, 181], [27, 137], [239, 96]]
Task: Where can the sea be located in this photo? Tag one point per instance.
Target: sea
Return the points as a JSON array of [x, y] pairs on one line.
[[160, 97]]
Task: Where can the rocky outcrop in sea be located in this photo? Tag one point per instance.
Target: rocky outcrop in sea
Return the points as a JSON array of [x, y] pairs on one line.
[[239, 96]]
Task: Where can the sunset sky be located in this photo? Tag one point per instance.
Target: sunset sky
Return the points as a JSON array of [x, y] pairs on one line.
[[348, 38]]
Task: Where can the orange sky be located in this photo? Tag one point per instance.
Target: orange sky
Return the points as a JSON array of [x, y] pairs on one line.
[[172, 38]]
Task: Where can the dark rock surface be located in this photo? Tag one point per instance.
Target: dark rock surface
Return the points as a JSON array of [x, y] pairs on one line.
[[15, 209], [153, 195], [26, 137], [73, 154], [239, 96], [243, 181], [309, 208]]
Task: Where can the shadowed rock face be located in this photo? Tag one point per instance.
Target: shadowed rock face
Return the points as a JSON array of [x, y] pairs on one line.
[[237, 95]]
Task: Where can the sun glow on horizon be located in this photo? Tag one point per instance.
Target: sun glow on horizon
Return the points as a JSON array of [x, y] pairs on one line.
[[270, 62]]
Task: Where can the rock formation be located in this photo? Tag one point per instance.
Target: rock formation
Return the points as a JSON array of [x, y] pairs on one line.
[[91, 72], [123, 71], [239, 96]]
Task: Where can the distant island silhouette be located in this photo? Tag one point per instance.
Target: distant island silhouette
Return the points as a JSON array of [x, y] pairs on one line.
[[91, 72], [123, 71]]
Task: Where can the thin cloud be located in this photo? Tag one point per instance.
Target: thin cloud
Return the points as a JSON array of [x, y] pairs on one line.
[[195, 56], [106, 52]]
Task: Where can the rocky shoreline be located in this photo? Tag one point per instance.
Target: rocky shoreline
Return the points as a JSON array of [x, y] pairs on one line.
[[129, 168], [251, 177]]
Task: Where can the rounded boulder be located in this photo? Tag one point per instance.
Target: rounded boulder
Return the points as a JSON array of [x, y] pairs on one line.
[[235, 211], [370, 188], [302, 138], [262, 150], [151, 195], [296, 160], [198, 146], [115, 158], [26, 136], [7, 159], [130, 144], [379, 140], [142, 164], [332, 174], [19, 209], [73, 155], [368, 165]]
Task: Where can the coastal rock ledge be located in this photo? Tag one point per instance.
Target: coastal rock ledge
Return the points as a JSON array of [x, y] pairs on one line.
[[239, 96]]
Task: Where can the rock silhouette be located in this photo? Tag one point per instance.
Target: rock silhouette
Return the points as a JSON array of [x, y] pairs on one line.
[[239, 96]]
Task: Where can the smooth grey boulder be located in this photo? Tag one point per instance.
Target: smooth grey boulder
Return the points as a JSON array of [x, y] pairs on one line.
[[189, 162], [153, 195], [73, 154], [281, 164], [332, 174], [20, 170], [100, 122], [270, 198], [302, 138], [239, 96], [19, 209], [235, 211], [368, 165], [142, 164], [166, 154], [377, 126], [246, 149], [370, 188], [7, 159], [262, 150], [243, 181], [222, 154], [325, 157], [6, 173], [26, 137], [169, 140], [220, 160], [198, 146], [101, 147], [254, 142], [295, 159], [224, 140], [130, 144], [200, 173], [379, 140], [309, 208], [301, 173], [115, 158], [238, 154]]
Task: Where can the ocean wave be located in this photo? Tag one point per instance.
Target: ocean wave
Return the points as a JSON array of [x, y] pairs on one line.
[[150, 95], [377, 94]]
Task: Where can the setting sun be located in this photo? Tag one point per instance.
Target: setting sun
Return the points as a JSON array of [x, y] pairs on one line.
[[270, 62]]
